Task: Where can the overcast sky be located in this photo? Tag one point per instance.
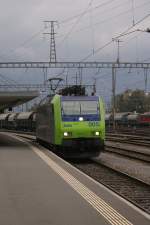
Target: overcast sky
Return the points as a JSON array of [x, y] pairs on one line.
[[83, 27]]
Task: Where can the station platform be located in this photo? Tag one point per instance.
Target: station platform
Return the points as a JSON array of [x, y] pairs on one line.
[[39, 188]]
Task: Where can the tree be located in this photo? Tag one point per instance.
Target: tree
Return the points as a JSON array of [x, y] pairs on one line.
[[130, 101]]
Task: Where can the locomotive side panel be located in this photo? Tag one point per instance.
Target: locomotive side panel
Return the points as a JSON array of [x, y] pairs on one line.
[[45, 123]]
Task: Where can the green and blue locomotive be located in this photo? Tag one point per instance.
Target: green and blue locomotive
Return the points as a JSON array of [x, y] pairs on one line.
[[73, 125]]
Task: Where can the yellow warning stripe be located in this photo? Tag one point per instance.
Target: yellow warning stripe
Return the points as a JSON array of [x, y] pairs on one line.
[[94, 200], [110, 214]]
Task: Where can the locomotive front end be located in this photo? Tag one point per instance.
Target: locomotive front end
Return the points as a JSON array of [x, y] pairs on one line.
[[82, 125]]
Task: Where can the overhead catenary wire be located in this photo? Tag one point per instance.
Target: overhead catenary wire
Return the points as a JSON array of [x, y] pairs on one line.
[[145, 60], [94, 24], [109, 42], [133, 16], [7, 80], [137, 23], [75, 24], [101, 5], [132, 38], [113, 17], [23, 43], [92, 29], [133, 25], [62, 22], [87, 11], [97, 50], [81, 16], [65, 21]]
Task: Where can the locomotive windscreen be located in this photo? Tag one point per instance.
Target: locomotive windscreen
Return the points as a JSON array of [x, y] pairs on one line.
[[75, 110], [80, 107]]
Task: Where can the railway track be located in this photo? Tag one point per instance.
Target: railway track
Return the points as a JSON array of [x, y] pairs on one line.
[[127, 138], [135, 191], [113, 146], [128, 151], [128, 145], [145, 132]]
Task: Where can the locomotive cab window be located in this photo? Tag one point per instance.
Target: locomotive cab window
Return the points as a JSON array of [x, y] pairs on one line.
[[89, 107], [70, 108], [80, 108]]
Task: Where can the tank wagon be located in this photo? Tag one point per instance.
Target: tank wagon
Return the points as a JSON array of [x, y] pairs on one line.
[[144, 119], [11, 125], [129, 119], [4, 120], [121, 118], [108, 119], [133, 120], [23, 121], [73, 125]]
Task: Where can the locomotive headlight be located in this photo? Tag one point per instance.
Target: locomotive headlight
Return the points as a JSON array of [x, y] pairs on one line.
[[65, 134], [80, 118], [97, 133]]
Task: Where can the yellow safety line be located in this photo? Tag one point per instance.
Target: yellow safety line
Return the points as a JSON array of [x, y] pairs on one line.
[[94, 200], [110, 214]]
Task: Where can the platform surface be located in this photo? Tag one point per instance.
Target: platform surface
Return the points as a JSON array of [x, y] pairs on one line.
[[38, 188]]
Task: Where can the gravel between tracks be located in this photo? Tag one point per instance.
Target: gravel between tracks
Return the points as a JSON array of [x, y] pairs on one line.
[[133, 167], [133, 190]]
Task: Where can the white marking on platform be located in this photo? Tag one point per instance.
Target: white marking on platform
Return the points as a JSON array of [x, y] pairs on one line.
[[95, 201], [110, 214]]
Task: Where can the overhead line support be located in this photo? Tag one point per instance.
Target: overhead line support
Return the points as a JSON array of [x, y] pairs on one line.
[[52, 40], [105, 65]]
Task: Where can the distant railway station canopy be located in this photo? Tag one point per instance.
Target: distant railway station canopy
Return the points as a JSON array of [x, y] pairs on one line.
[[14, 98]]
